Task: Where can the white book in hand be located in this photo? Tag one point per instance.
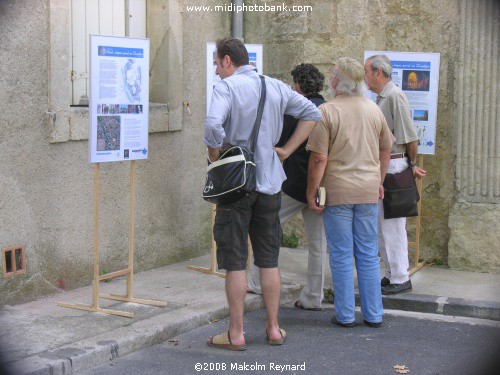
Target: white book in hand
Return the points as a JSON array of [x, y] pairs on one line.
[[321, 196]]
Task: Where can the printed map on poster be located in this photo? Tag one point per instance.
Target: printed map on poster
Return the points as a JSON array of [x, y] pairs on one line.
[[417, 74], [119, 98]]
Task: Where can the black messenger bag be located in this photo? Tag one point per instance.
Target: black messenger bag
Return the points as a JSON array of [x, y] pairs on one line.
[[233, 176], [400, 195]]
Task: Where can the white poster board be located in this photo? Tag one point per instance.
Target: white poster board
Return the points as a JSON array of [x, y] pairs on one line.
[[417, 74], [254, 57], [119, 98]]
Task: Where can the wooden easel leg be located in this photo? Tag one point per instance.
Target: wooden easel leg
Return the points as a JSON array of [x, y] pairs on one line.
[[130, 275], [95, 289], [213, 254], [416, 244], [417, 232]]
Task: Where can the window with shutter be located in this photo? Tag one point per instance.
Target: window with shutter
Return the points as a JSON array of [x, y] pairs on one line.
[[71, 23], [102, 17]]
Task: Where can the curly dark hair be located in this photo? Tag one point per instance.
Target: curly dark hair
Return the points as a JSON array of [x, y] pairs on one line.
[[309, 78]]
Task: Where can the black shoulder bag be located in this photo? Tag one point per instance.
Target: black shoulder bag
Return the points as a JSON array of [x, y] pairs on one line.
[[400, 195], [233, 176]]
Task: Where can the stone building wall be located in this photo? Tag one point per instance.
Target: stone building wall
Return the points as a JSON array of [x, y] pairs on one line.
[[475, 216], [349, 27], [464, 32], [46, 181]]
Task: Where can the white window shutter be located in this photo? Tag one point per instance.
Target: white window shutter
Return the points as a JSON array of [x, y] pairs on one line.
[[136, 18], [118, 17], [102, 17], [79, 58], [105, 27]]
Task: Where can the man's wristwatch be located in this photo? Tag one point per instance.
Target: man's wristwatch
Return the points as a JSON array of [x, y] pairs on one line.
[[413, 164]]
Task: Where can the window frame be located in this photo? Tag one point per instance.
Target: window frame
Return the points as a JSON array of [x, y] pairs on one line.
[[13, 262], [66, 122]]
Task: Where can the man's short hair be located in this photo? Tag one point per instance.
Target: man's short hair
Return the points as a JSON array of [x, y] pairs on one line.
[[381, 62], [234, 48], [309, 78], [350, 76]]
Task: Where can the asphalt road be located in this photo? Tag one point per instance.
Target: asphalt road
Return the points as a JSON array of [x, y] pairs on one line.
[[420, 342]]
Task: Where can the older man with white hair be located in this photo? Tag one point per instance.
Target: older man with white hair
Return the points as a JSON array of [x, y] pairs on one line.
[[393, 240], [350, 149]]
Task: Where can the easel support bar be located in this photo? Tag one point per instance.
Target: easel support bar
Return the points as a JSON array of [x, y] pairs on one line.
[[208, 271], [112, 275], [116, 297], [96, 309]]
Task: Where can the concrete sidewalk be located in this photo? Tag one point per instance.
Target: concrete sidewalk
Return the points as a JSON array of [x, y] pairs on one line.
[[41, 338]]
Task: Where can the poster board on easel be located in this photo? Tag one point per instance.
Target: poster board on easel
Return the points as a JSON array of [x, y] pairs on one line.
[[118, 109], [417, 74]]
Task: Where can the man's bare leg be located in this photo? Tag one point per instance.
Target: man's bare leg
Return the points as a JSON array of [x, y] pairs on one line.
[[270, 280], [236, 288]]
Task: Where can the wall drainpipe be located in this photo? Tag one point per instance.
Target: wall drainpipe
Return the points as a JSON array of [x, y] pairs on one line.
[[237, 20]]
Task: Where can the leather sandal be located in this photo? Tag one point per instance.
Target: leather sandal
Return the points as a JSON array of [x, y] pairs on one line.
[[298, 305], [279, 341], [223, 341]]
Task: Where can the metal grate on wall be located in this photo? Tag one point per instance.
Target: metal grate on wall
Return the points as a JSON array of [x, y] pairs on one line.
[[477, 83]]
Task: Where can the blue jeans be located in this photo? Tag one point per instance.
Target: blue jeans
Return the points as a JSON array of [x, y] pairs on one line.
[[352, 228]]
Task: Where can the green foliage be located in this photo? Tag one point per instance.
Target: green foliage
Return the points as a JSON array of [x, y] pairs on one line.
[[439, 262], [104, 271], [328, 293], [290, 240]]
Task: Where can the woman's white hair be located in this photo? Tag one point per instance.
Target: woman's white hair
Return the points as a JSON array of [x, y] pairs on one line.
[[350, 76]]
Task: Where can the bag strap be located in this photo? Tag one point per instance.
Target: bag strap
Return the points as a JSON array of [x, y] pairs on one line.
[[256, 126]]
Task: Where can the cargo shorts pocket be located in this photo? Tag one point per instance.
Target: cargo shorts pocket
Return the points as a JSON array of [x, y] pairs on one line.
[[222, 233], [222, 228], [280, 232]]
